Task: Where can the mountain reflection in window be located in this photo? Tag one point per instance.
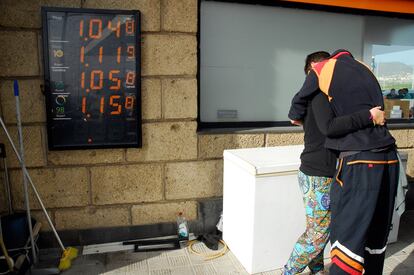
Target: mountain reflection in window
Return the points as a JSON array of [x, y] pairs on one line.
[[394, 68]]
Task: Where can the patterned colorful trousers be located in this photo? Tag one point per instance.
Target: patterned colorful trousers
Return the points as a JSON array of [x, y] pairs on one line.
[[308, 250]]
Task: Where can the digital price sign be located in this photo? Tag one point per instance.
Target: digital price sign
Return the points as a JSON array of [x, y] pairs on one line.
[[92, 78]]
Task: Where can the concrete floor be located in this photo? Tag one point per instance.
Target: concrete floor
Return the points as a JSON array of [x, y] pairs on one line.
[[399, 260]]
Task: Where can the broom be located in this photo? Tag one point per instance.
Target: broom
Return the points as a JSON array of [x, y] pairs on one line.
[[26, 193], [68, 253]]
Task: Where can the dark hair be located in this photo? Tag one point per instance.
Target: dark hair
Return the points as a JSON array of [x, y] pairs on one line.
[[315, 57]]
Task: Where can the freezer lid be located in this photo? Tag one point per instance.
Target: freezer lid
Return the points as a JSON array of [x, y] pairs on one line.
[[266, 160]]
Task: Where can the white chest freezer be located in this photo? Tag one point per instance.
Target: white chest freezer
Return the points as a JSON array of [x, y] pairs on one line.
[[263, 211]]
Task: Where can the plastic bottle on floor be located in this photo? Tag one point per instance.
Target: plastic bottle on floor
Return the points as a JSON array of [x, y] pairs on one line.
[[182, 226]]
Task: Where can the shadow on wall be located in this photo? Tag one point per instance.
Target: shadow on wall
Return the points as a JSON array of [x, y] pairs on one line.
[[209, 211]]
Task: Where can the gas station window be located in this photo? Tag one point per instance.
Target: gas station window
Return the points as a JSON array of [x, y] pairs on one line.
[[252, 59], [394, 69]]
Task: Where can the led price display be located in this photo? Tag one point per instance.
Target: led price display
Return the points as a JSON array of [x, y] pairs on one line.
[[92, 78]]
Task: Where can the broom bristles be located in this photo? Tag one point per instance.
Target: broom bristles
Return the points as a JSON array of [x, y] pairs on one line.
[[68, 255]]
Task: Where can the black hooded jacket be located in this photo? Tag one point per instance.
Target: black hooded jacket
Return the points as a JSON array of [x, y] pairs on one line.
[[350, 87]]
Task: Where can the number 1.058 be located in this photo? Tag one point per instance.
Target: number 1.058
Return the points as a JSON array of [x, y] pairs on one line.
[[96, 80]]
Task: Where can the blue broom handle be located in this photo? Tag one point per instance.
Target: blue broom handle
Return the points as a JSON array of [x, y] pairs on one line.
[[26, 173], [26, 191]]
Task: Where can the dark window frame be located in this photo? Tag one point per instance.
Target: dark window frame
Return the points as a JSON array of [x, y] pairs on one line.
[[239, 125]]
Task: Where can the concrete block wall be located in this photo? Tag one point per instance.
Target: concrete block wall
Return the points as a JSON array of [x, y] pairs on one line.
[[174, 170], [405, 143], [111, 187]]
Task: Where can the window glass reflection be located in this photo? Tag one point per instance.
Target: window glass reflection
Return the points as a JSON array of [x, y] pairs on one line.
[[394, 68]]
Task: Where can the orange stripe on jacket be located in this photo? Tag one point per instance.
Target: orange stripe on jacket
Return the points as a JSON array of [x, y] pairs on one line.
[[324, 70]]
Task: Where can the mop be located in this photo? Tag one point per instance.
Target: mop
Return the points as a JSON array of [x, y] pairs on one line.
[[68, 253]]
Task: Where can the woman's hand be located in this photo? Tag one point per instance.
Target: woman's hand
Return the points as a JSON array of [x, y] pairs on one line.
[[296, 122], [378, 116]]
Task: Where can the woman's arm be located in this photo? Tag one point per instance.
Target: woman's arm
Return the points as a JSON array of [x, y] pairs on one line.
[[300, 101], [332, 126]]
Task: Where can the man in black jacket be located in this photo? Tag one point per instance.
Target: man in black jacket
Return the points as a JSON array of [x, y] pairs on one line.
[[362, 196]]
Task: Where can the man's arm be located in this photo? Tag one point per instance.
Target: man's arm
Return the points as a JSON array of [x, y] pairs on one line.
[[332, 126], [300, 100]]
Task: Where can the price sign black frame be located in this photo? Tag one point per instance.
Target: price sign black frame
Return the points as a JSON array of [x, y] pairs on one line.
[[57, 140]]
